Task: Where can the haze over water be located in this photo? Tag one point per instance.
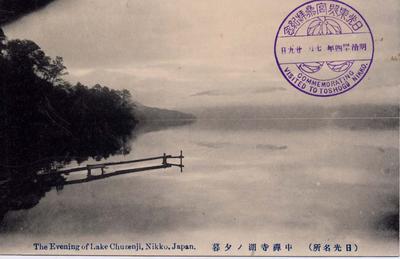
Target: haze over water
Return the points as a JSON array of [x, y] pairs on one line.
[[245, 180], [314, 185]]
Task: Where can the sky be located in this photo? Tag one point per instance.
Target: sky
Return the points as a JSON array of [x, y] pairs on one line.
[[183, 54]]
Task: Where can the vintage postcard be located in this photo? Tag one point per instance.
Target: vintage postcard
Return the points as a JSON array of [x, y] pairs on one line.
[[199, 127]]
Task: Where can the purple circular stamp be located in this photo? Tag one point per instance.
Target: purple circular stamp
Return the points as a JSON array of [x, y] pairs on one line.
[[324, 48]]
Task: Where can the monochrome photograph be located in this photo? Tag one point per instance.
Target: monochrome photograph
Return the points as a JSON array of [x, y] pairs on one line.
[[199, 127]]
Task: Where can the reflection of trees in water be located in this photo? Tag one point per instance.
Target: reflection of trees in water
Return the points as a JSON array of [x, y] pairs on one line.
[[27, 185], [22, 187], [17, 194]]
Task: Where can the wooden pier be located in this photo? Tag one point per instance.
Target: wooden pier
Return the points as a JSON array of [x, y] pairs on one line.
[[90, 167]]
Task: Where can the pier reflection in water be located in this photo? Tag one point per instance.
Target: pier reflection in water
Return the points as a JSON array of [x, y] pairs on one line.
[[23, 186]]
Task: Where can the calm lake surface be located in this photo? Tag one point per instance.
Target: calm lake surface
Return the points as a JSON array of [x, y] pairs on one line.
[[266, 181], [309, 183]]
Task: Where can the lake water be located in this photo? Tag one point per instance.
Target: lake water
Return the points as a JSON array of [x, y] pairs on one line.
[[310, 183], [266, 181]]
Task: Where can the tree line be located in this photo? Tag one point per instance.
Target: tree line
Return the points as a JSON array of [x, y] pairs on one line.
[[46, 121]]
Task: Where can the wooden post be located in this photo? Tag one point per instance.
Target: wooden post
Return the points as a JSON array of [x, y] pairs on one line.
[[89, 172], [164, 161], [180, 158]]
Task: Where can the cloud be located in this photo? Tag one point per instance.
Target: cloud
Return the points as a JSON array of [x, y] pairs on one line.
[[178, 49], [213, 145], [209, 93], [269, 147], [269, 90], [239, 91]]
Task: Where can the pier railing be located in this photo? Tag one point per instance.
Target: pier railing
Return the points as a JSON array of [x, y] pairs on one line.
[[103, 166]]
